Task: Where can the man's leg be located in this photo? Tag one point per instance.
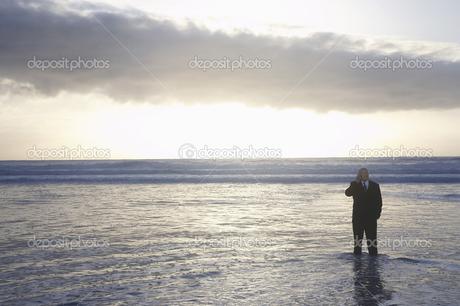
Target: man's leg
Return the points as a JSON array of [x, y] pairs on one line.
[[358, 231], [371, 235]]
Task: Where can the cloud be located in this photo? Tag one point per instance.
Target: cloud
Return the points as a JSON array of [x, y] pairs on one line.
[[148, 59]]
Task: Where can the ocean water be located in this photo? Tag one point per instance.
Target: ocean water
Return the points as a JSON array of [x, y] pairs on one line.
[[197, 232]]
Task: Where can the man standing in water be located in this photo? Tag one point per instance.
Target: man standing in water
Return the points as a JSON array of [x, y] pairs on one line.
[[367, 206]]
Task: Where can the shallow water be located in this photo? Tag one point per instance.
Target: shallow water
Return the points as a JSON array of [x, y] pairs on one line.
[[224, 244]]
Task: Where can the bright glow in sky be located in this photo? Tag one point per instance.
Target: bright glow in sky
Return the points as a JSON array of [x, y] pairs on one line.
[[144, 130]]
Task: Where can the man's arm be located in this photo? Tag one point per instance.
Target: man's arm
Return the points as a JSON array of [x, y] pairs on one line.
[[379, 201], [350, 191]]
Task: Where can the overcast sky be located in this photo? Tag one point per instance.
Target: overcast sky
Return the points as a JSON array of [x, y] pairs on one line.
[[315, 70]]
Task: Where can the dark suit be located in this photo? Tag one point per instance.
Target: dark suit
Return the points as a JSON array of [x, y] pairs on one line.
[[367, 206]]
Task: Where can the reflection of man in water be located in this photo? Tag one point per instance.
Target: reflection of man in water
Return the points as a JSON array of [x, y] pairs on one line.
[[369, 288], [367, 206]]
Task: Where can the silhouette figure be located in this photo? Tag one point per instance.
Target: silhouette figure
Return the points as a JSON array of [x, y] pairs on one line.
[[367, 207]]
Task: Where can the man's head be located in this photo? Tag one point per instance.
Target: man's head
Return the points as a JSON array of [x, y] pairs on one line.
[[363, 175]]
